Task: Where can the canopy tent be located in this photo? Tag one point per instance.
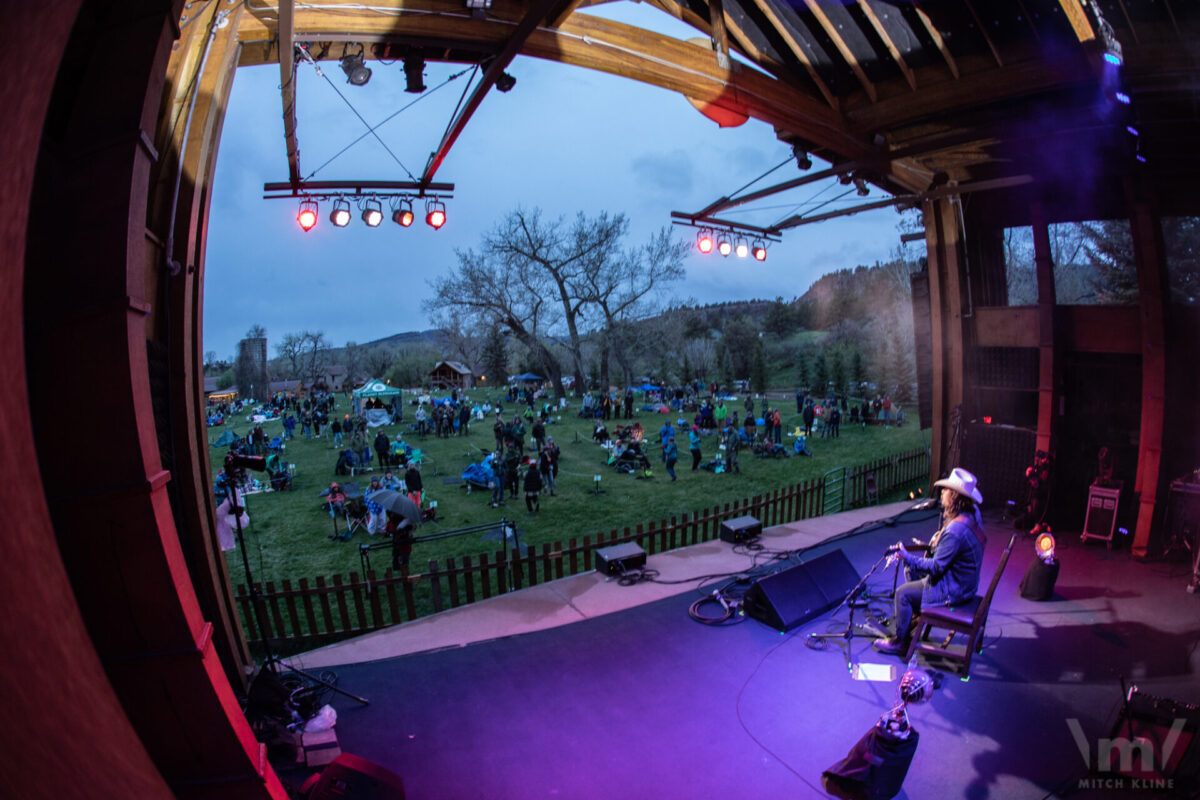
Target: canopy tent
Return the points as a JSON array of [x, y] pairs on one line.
[[225, 439], [374, 388], [527, 377]]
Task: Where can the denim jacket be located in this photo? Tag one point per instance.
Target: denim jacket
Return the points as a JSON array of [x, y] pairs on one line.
[[951, 571]]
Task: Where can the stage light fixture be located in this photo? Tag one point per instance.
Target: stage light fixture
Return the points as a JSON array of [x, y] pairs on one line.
[[741, 248], [860, 186], [802, 159], [357, 73], [505, 82], [372, 213], [1044, 545], [340, 216], [724, 247], [704, 241], [844, 178], [414, 74], [308, 215], [1122, 98], [1132, 130], [435, 213], [759, 250], [403, 215]]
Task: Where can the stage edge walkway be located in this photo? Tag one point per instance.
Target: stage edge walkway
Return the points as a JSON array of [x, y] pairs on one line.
[[579, 597]]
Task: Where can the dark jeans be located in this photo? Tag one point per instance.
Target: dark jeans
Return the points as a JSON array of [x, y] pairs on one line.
[[908, 605], [671, 468], [695, 460]]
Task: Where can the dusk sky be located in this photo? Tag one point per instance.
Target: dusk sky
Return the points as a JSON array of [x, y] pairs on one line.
[[565, 140]]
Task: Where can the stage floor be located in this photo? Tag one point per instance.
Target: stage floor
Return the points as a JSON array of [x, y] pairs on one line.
[[645, 702]]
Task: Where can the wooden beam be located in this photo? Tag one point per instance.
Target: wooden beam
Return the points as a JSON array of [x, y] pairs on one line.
[[945, 303], [538, 11], [569, 9], [1078, 19], [797, 50], [1047, 426], [938, 41], [838, 42], [1150, 257], [983, 32], [877, 25], [287, 87], [741, 42], [720, 40]]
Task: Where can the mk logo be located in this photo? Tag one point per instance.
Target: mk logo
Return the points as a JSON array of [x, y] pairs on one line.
[[1125, 749]]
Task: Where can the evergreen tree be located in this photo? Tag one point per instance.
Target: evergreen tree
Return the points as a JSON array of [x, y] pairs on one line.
[[726, 368], [758, 372], [820, 375], [687, 369], [837, 370], [857, 371], [802, 370], [495, 357]]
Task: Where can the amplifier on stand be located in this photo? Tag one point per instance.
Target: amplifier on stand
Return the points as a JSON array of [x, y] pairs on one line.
[[740, 529]]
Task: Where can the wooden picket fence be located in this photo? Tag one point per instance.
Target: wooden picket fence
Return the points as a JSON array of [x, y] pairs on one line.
[[309, 614]]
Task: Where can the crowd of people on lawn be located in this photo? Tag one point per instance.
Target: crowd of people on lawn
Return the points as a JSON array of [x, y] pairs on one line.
[[523, 462]]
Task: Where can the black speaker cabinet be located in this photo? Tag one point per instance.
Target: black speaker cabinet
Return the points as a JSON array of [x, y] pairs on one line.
[[874, 769], [798, 594], [619, 558], [350, 776], [1156, 738], [740, 529]]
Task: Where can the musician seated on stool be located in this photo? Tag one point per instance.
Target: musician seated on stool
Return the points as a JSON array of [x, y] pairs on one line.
[[949, 575]]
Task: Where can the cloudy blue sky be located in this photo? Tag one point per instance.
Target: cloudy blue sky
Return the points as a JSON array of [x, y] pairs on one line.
[[565, 140]]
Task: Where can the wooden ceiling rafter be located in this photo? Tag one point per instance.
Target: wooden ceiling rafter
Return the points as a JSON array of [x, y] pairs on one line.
[[720, 39], [893, 50], [938, 41], [539, 10], [982, 28], [843, 49], [1080, 23], [287, 88], [796, 49]]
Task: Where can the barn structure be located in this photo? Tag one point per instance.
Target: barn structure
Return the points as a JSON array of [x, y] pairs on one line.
[[123, 653]]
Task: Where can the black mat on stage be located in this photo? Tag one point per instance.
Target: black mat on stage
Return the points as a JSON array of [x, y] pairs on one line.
[[648, 703]]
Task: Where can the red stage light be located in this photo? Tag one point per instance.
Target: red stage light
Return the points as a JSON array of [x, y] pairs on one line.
[[704, 242], [435, 213], [760, 251], [987, 420], [308, 215]]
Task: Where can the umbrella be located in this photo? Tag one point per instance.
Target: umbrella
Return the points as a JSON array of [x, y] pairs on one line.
[[509, 534], [393, 501]]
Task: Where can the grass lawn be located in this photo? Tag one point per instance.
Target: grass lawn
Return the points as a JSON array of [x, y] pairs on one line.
[[288, 532]]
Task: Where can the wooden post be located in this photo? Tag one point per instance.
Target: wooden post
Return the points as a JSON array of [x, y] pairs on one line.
[[946, 309], [1047, 427], [1149, 254]]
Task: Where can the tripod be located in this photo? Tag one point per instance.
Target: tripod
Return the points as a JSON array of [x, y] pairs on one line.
[[818, 641], [270, 661]]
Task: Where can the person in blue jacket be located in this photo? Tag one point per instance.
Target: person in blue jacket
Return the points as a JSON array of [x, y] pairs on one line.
[[694, 446], [949, 574], [670, 454]]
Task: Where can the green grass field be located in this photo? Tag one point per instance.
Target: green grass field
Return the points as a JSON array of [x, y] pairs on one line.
[[288, 533]]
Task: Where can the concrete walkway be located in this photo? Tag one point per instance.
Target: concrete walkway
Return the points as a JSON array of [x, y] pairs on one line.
[[582, 596]]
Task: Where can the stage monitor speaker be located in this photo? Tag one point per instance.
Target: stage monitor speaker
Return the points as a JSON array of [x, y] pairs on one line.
[[1167, 737], [794, 596], [741, 529], [619, 558], [350, 777]]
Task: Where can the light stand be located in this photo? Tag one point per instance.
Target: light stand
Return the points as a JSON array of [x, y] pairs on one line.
[[235, 464], [817, 641], [596, 490]]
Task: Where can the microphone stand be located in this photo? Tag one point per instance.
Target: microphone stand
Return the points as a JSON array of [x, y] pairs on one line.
[[270, 661], [817, 641]]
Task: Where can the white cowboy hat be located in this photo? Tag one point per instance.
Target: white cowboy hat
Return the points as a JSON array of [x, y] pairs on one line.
[[962, 482]]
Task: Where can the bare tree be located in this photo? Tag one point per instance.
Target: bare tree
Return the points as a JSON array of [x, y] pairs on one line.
[[511, 292], [352, 360], [291, 349], [379, 359], [567, 256], [624, 287], [460, 335]]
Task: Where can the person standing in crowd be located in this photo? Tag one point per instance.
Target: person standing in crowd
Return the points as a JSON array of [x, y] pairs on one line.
[[694, 446], [835, 421], [629, 402], [808, 415], [497, 481], [412, 480], [768, 424], [670, 454], [382, 447], [777, 426], [464, 420], [533, 488], [799, 401], [733, 442]]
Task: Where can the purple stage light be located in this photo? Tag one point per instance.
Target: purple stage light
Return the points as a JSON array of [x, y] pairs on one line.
[[1122, 98]]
